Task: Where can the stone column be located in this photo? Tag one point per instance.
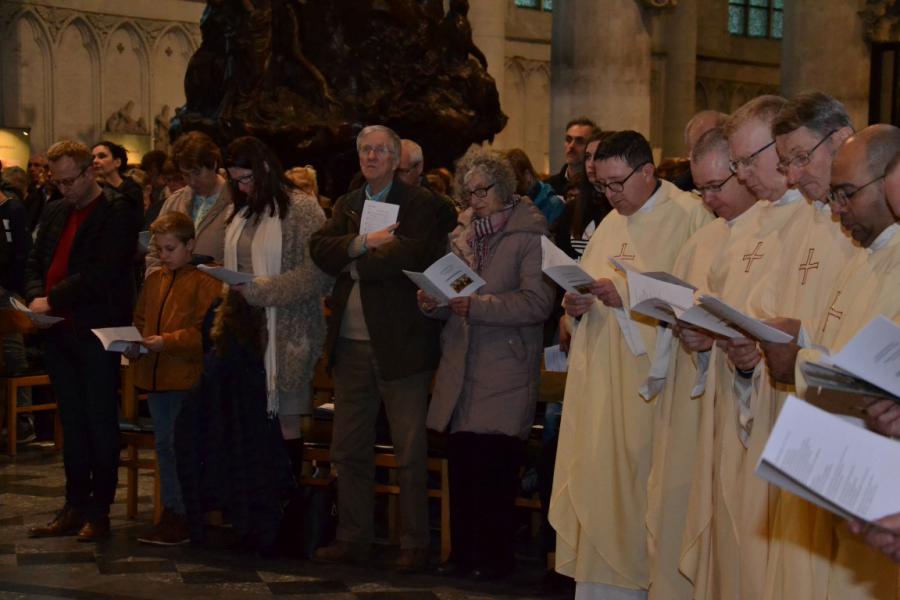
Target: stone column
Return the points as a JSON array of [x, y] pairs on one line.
[[823, 49], [488, 19], [678, 38]]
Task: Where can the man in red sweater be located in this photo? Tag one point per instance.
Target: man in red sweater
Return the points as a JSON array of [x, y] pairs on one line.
[[80, 269]]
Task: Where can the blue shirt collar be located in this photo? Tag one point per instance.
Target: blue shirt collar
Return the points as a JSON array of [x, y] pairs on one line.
[[380, 196]]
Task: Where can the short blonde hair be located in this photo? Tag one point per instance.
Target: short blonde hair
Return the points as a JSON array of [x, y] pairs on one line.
[[304, 178], [762, 108], [78, 152], [174, 223]]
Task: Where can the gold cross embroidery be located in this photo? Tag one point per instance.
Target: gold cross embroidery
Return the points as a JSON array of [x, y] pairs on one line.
[[808, 266], [833, 312], [622, 254], [752, 256]]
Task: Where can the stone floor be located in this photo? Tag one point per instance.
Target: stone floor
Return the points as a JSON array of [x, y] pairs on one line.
[[31, 491]]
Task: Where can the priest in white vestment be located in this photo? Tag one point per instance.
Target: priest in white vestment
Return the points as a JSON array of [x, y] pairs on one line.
[[599, 501]]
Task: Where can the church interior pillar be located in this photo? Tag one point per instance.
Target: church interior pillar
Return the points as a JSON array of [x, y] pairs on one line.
[[600, 67], [824, 49]]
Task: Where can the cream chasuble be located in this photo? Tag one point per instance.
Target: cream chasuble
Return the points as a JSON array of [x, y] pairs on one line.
[[599, 501], [733, 507], [817, 557], [676, 428]]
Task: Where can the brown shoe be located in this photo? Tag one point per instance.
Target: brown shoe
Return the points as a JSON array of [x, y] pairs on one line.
[[411, 560], [172, 530], [351, 553], [67, 522], [94, 530]]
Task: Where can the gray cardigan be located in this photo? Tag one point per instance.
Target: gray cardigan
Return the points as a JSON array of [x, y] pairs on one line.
[[298, 293]]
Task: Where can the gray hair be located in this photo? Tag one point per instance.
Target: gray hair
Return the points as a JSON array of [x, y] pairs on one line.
[[718, 119], [395, 139], [491, 163], [17, 177], [814, 110], [711, 142], [414, 150]]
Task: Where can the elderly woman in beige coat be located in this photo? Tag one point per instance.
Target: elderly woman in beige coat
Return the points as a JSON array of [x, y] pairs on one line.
[[487, 382]]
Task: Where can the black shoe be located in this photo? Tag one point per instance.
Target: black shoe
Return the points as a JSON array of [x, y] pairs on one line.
[[68, 522]]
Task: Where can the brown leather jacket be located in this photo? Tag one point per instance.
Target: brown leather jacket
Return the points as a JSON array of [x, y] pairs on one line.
[[172, 304]]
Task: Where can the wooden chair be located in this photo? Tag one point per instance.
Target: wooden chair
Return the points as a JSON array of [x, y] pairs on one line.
[[389, 461], [12, 385], [134, 442]]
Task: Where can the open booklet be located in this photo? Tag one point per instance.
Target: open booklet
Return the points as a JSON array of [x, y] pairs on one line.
[[869, 364], [227, 275], [448, 277], [832, 462], [117, 339], [40, 320], [560, 267]]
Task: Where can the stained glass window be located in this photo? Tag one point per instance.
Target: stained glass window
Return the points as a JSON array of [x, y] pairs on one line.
[[756, 18], [546, 5]]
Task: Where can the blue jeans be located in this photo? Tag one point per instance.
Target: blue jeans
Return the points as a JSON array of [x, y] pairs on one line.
[[164, 409]]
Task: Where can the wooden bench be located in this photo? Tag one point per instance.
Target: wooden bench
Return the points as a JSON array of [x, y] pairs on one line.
[[13, 410]]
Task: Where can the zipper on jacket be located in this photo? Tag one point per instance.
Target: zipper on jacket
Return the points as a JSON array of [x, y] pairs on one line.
[[162, 306]]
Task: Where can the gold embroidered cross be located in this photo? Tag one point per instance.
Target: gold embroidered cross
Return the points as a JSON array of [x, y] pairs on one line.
[[752, 256], [833, 312], [622, 254], [808, 266]]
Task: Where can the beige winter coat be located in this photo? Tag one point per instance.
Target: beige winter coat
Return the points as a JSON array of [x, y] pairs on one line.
[[487, 381]]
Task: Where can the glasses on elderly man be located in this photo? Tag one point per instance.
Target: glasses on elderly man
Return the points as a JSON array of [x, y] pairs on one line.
[[713, 188], [839, 196], [617, 186], [69, 181], [801, 159], [380, 151], [479, 192], [747, 161]]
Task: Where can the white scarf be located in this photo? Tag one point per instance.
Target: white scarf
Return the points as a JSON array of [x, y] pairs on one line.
[[265, 252]]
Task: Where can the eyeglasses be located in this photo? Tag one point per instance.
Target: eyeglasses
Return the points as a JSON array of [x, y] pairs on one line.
[[68, 181], [801, 159], [713, 188], [747, 161], [617, 186], [479, 192], [243, 180], [839, 196], [380, 151]]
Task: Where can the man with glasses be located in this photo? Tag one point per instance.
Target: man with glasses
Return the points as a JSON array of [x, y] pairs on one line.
[[205, 198], [380, 347], [866, 286], [80, 269], [599, 498], [684, 406]]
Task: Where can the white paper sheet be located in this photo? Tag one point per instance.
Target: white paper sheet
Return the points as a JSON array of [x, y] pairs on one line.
[[560, 267], [874, 355], [377, 215], [117, 339], [555, 360], [39, 320], [227, 275], [448, 277], [832, 462]]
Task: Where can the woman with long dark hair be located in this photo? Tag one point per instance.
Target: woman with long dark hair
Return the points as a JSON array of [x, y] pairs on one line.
[[110, 165]]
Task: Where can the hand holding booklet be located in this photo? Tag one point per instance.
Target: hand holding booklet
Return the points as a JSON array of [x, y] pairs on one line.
[[560, 267], [117, 339], [869, 364], [227, 275], [41, 320], [449, 277], [832, 462]]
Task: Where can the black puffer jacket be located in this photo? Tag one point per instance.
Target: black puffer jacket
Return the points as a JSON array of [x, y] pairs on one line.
[[99, 288]]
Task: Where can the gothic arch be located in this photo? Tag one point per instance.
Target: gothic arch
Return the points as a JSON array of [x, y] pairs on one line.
[[125, 76], [25, 81], [701, 100], [76, 115]]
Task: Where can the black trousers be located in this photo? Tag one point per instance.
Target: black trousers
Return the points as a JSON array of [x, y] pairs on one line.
[[484, 482], [85, 380]]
